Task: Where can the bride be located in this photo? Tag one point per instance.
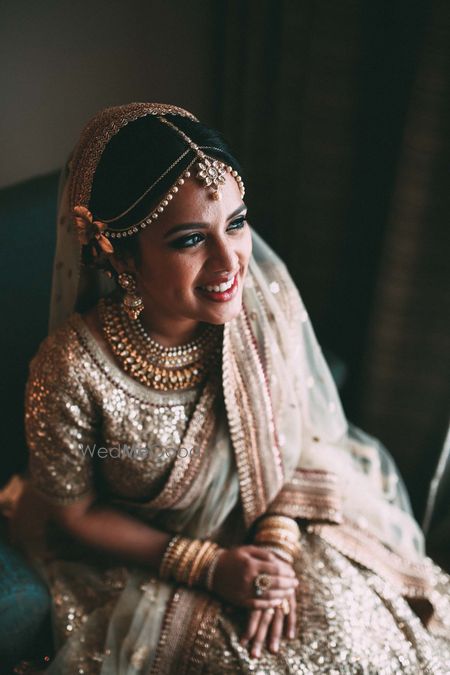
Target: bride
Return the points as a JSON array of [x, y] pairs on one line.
[[251, 529]]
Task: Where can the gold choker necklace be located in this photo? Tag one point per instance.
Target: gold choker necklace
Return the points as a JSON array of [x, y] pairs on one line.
[[159, 367]]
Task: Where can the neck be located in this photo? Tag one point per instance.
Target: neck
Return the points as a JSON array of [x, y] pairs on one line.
[[171, 333]]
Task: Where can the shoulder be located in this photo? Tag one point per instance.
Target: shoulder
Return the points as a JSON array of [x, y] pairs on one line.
[[61, 353]]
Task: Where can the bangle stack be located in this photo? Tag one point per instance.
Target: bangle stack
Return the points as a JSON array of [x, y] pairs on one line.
[[281, 535], [190, 561]]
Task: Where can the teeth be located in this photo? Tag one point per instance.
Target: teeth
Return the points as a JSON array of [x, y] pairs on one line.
[[221, 288]]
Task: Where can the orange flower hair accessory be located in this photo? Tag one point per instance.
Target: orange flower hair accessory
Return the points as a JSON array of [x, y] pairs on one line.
[[90, 230]]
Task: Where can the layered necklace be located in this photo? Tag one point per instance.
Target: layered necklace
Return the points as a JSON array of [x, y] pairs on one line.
[[153, 364]]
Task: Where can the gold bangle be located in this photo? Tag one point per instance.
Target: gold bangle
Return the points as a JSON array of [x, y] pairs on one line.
[[278, 535], [278, 528], [185, 562], [208, 560], [281, 553], [178, 551], [197, 563], [289, 547], [212, 568], [284, 522], [165, 560]]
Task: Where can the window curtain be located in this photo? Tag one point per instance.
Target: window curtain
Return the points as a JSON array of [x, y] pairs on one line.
[[340, 114]]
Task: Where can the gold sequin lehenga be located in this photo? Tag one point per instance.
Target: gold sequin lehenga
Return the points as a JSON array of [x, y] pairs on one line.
[[264, 434], [357, 596]]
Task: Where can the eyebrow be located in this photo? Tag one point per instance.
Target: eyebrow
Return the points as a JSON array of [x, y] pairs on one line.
[[190, 226]]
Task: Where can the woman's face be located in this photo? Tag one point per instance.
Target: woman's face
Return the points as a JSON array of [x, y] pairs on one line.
[[196, 243]]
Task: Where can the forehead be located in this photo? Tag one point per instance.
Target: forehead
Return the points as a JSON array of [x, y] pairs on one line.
[[194, 204]]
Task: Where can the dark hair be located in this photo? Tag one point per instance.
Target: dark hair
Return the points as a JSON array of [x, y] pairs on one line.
[[137, 156]]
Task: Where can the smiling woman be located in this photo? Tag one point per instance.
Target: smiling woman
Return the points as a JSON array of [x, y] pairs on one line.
[[273, 530]]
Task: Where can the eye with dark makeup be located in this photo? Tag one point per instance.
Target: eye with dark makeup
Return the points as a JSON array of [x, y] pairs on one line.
[[192, 240]]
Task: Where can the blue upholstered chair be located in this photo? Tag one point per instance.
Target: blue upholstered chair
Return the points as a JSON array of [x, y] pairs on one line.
[[27, 217], [24, 609]]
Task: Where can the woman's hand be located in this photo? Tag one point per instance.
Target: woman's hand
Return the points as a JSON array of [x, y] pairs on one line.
[[236, 571], [269, 623]]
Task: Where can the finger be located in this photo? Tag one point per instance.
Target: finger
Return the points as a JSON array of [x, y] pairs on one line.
[[252, 625], [279, 582], [278, 593], [276, 568], [261, 633], [261, 553], [291, 620], [275, 631], [262, 604]]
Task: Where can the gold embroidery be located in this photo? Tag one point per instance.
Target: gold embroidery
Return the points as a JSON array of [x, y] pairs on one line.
[[313, 495], [97, 134], [408, 578], [188, 628]]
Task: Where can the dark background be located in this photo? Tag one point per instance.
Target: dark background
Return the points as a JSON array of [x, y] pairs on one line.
[[339, 112]]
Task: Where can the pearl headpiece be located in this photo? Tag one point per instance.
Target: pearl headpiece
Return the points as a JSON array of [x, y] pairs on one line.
[[209, 171]]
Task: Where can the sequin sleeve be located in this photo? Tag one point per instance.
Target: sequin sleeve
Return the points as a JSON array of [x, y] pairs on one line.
[[59, 420]]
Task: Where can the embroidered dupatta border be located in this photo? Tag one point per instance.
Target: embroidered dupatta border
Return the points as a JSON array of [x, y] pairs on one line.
[[309, 494], [411, 580], [188, 628], [314, 495], [247, 399]]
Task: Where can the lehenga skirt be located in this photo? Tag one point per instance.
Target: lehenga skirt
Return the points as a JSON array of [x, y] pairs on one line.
[[349, 621]]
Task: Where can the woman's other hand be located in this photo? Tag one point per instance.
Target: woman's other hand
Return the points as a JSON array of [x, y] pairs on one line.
[[271, 625], [236, 571]]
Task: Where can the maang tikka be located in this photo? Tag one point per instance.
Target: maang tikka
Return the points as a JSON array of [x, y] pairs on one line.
[[209, 171], [132, 302]]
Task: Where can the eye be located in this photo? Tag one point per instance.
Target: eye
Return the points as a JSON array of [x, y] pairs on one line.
[[239, 223], [192, 240], [187, 242]]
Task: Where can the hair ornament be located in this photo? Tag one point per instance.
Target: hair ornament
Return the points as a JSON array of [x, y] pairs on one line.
[[209, 171], [90, 230], [212, 173]]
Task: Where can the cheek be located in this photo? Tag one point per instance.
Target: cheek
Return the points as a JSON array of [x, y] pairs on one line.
[[246, 248], [170, 275]]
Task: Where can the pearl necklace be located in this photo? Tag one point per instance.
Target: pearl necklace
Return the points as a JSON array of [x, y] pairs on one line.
[[153, 364]]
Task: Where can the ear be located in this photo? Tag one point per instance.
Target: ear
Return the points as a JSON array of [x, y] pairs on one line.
[[122, 263]]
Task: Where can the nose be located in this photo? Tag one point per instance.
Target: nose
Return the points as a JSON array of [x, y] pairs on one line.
[[222, 256]]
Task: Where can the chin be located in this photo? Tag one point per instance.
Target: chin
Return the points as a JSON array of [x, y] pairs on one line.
[[224, 315]]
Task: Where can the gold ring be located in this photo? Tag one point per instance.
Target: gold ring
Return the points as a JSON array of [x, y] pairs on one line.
[[285, 606], [262, 582]]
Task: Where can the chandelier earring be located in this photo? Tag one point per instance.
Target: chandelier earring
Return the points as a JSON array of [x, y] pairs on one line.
[[132, 302]]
